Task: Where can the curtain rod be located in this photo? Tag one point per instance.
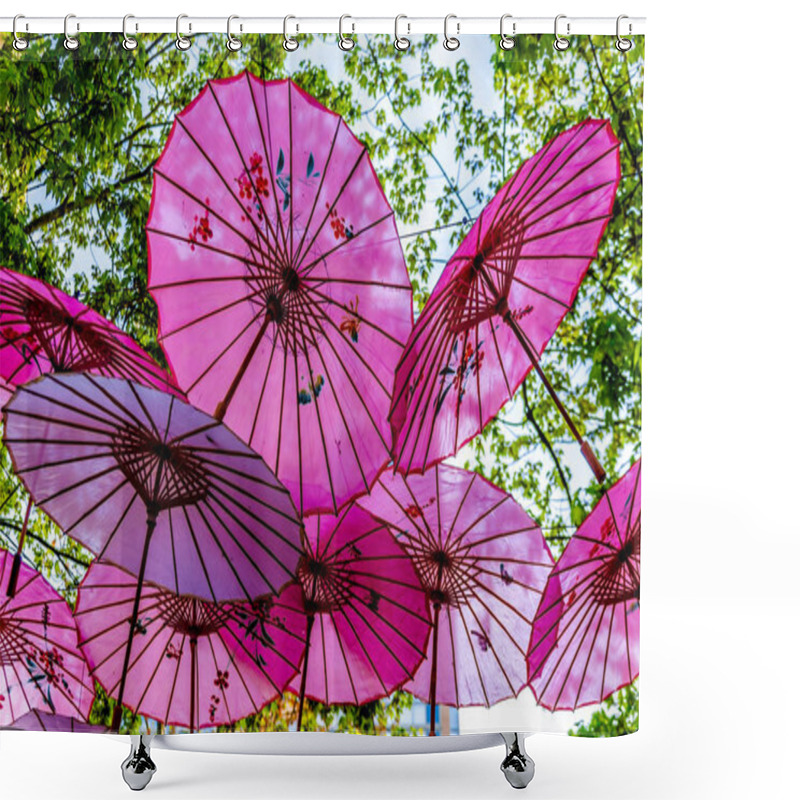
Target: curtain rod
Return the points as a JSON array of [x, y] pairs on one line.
[[632, 26]]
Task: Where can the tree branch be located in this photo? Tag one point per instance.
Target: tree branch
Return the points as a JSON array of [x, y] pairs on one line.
[[68, 206]]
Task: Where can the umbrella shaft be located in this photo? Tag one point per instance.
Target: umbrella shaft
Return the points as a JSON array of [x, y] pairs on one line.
[[301, 701], [434, 663], [11, 589], [151, 525], [193, 683], [222, 408], [586, 448]]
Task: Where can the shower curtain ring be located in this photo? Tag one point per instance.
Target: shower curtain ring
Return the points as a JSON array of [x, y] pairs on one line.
[[128, 42], [623, 45], [19, 43], [70, 42], [289, 44], [507, 42], [182, 42], [346, 42], [451, 42], [233, 44], [401, 43], [560, 43]]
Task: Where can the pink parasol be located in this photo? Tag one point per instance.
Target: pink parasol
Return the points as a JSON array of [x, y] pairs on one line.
[[108, 459], [501, 297], [43, 330], [193, 664], [41, 666], [368, 621], [37, 720], [484, 564], [284, 299], [591, 603]]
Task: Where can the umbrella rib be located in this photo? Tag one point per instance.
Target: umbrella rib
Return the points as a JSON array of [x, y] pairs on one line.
[[346, 242], [352, 584], [478, 669], [282, 409], [253, 320], [345, 659], [586, 608], [244, 168], [299, 426], [423, 391], [267, 373], [291, 172], [478, 583], [481, 517], [301, 257], [315, 400], [589, 655], [346, 373], [364, 321], [509, 205], [426, 320], [80, 482], [198, 550], [319, 189], [218, 309], [427, 534], [268, 256], [121, 519], [359, 638], [267, 156], [523, 219], [461, 502], [262, 523], [256, 229]]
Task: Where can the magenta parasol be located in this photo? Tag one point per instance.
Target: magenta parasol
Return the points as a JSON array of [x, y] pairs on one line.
[[41, 666], [44, 330], [123, 469], [284, 300], [501, 297], [591, 604], [368, 621], [193, 664], [484, 564]]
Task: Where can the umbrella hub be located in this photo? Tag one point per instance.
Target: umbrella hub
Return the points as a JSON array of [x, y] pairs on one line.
[[165, 475], [189, 616], [12, 642], [69, 344], [618, 578], [324, 590], [443, 578]]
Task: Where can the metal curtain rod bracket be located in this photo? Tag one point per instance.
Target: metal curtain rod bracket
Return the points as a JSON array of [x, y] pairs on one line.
[[635, 26]]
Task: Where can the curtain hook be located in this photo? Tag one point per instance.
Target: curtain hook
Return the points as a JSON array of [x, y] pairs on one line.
[[507, 42], [70, 42], [623, 45], [451, 42], [346, 42], [233, 44], [401, 42], [181, 41], [289, 44], [128, 42], [560, 43], [19, 43]]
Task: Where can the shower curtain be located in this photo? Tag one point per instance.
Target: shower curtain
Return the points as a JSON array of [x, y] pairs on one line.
[[321, 385]]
